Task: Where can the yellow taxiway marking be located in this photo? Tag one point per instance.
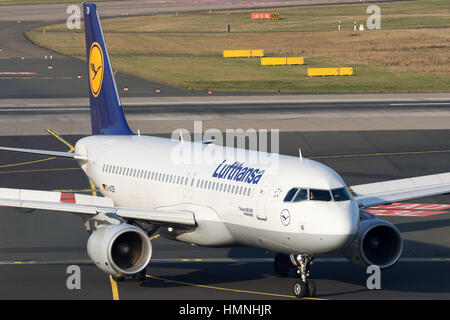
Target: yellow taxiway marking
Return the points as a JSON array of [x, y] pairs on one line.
[[25, 163], [72, 190], [58, 136], [40, 170], [154, 237], [93, 188], [228, 289], [115, 290]]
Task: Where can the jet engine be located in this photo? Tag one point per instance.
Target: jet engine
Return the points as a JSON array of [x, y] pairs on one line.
[[378, 242], [120, 249]]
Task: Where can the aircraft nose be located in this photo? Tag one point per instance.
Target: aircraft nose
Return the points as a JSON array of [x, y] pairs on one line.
[[343, 224], [348, 224]]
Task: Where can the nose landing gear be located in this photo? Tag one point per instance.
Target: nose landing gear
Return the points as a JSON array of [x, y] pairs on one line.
[[303, 287]]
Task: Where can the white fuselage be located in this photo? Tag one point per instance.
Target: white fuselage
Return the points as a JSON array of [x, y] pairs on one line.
[[232, 205]]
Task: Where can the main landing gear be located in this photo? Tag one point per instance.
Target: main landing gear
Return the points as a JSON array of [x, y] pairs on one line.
[[302, 287]]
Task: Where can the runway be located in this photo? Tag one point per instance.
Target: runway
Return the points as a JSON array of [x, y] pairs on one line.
[[36, 248], [152, 115]]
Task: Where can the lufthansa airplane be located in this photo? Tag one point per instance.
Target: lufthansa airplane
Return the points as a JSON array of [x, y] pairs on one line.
[[298, 209]]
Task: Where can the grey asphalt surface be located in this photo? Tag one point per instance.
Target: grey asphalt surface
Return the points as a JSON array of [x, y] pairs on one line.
[[44, 244]]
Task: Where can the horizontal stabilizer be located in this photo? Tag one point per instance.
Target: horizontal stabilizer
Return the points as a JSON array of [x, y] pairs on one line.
[[57, 154]]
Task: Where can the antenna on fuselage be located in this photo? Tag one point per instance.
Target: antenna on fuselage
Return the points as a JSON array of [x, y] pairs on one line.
[[181, 137], [300, 154]]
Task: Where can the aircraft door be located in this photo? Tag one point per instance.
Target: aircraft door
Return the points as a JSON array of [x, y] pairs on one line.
[[263, 192]]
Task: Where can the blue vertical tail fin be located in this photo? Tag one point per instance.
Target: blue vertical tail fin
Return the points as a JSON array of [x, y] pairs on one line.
[[107, 116]]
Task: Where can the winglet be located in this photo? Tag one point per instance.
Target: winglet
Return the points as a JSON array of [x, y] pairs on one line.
[[107, 116]]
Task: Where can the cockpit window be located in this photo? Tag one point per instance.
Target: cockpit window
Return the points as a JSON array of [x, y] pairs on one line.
[[301, 195], [340, 194], [290, 195], [319, 195]]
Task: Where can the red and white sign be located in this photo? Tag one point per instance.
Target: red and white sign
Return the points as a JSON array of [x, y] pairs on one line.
[[261, 16], [410, 209]]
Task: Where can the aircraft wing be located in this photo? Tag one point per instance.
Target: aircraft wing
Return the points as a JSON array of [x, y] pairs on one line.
[[89, 205], [378, 193]]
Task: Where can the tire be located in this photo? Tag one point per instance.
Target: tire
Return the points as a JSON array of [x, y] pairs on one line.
[[311, 285], [300, 289], [282, 264]]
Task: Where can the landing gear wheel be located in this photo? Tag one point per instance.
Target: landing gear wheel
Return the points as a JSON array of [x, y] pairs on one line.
[[140, 276], [300, 289], [311, 285], [281, 265], [304, 287]]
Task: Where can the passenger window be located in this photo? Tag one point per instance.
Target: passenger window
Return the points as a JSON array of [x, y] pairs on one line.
[[290, 195], [301, 195], [319, 195]]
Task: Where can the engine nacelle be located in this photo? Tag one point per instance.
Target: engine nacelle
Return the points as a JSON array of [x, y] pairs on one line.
[[378, 242], [119, 249]]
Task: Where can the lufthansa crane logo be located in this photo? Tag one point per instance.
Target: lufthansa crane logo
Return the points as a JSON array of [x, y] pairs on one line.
[[96, 67], [285, 217]]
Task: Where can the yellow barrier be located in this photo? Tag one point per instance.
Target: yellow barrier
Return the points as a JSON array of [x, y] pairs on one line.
[[242, 53], [345, 71], [273, 61], [295, 60], [257, 53], [237, 53], [330, 72], [281, 61]]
